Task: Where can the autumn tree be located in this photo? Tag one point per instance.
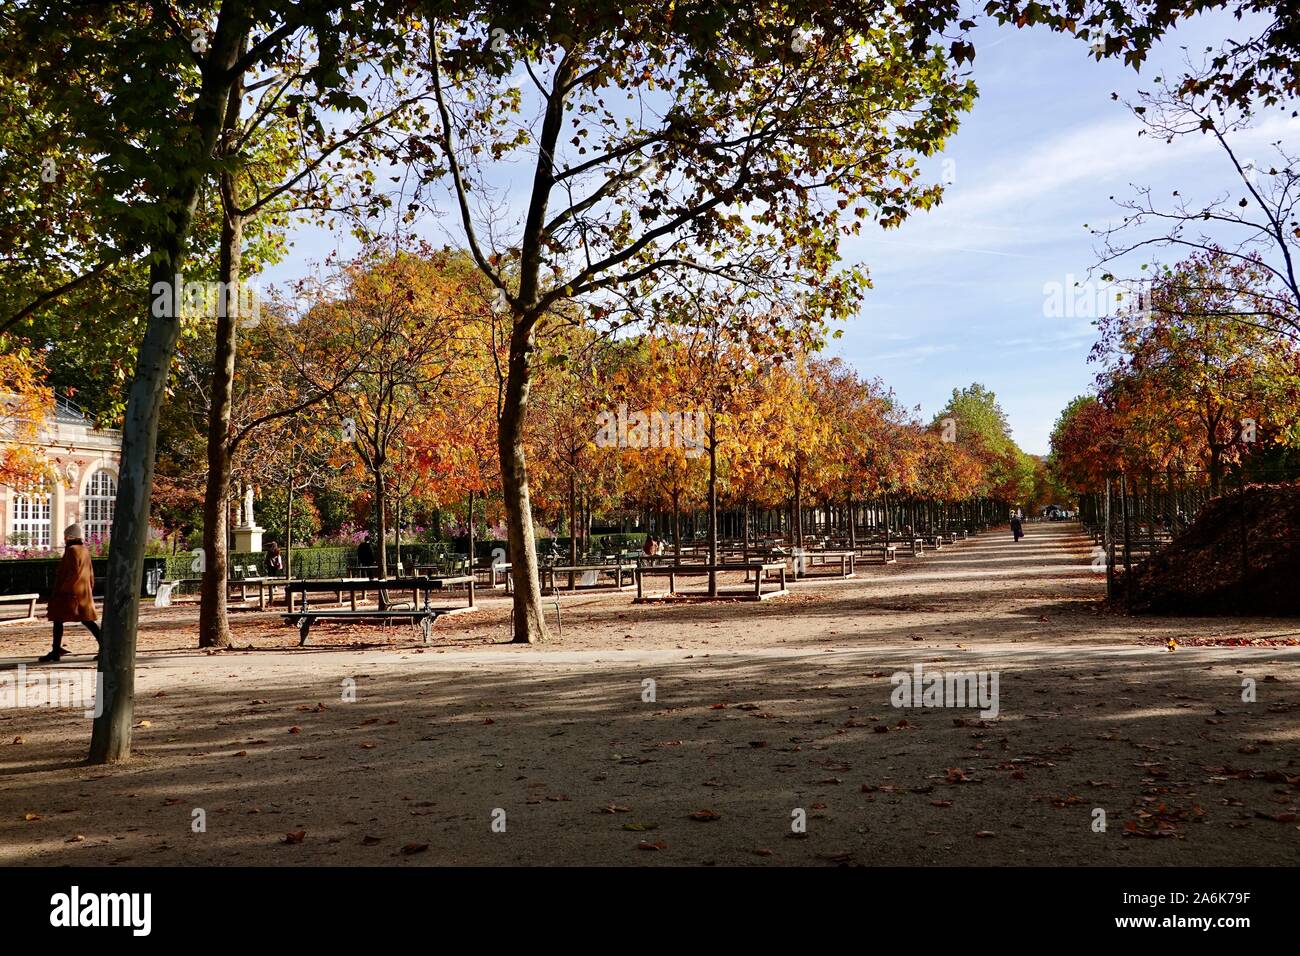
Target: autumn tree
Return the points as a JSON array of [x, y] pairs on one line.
[[1179, 377], [564, 422], [1257, 64], [25, 402], [145, 93], [874, 447], [973, 419], [1086, 444], [412, 311], [720, 343], [647, 131], [1253, 220]]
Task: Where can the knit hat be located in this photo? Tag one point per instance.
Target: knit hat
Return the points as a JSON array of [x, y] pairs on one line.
[[72, 533]]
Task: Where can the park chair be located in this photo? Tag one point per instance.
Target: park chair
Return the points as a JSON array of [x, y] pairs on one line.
[[385, 603], [388, 604], [553, 597]]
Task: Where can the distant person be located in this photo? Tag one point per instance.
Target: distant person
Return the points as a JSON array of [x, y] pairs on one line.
[[274, 560], [1017, 527], [365, 555], [651, 548], [73, 596]]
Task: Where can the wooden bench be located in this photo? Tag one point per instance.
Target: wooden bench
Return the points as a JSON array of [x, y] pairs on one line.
[[497, 572], [423, 617], [1143, 545], [825, 560], [337, 588], [448, 566], [265, 587], [759, 570], [887, 553], [416, 586], [913, 545], [19, 599], [617, 571], [442, 583]]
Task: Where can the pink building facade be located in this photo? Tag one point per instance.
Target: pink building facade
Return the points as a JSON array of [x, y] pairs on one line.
[[80, 487]]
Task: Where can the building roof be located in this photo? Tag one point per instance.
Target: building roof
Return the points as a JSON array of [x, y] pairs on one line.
[[68, 412]]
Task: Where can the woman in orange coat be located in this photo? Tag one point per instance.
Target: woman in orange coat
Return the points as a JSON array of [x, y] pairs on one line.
[[73, 596]]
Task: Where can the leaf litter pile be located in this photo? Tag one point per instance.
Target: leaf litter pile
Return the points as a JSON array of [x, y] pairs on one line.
[[1204, 572]]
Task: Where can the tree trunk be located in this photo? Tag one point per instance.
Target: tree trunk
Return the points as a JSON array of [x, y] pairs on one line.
[[288, 532], [796, 517], [214, 623], [713, 506], [529, 623], [110, 740], [469, 548], [677, 528], [1216, 469], [573, 526], [381, 522], [397, 531]]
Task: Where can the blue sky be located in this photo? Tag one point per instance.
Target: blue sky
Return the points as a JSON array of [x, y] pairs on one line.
[[959, 290]]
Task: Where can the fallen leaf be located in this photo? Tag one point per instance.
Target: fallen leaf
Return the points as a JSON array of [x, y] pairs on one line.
[[1287, 817]]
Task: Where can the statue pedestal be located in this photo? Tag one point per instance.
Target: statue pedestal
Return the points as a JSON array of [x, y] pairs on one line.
[[249, 538]]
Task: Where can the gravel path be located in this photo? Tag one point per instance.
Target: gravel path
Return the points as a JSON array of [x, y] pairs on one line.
[[715, 732]]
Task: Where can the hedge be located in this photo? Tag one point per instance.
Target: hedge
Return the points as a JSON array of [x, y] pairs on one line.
[[36, 575], [28, 575]]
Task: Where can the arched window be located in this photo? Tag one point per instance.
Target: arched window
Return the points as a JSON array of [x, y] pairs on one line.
[[97, 505], [31, 518]]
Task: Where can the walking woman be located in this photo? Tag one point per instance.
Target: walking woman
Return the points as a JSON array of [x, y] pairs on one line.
[[73, 596]]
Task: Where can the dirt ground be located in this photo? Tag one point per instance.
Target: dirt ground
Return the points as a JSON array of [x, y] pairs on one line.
[[760, 717]]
